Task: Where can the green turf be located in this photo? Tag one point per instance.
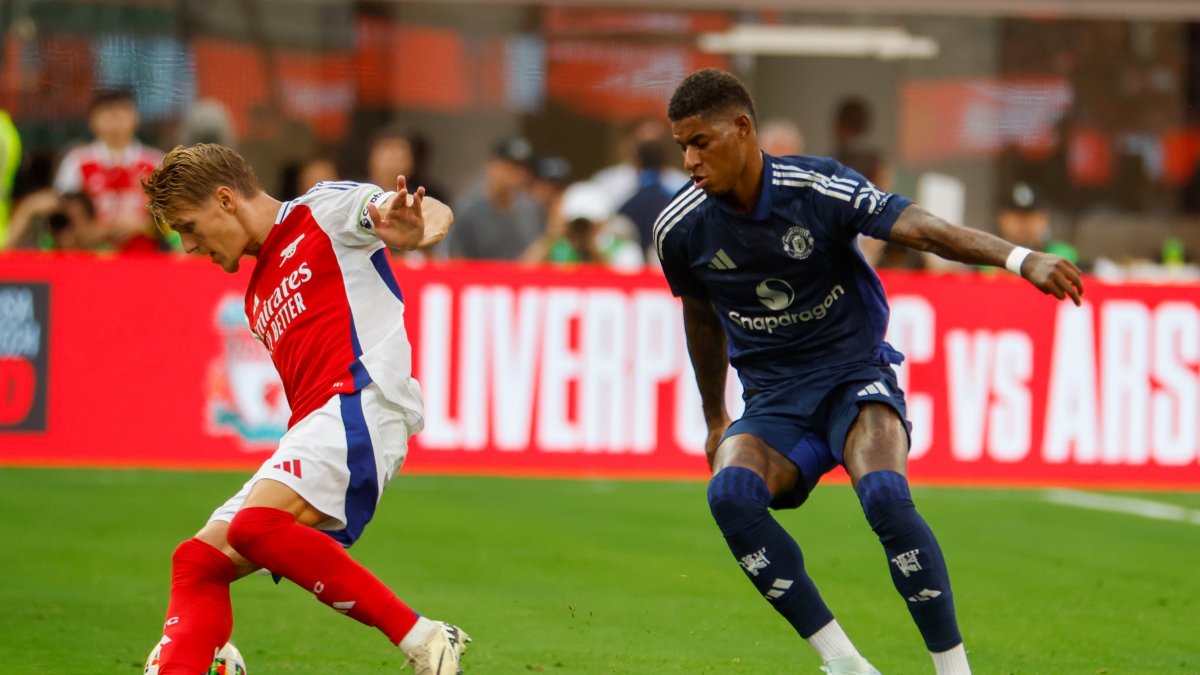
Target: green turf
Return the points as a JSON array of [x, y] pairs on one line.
[[601, 577]]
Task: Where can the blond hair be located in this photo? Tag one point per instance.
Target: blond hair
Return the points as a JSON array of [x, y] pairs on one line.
[[190, 175]]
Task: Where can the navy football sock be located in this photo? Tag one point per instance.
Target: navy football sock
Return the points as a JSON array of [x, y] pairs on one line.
[[915, 559], [767, 553]]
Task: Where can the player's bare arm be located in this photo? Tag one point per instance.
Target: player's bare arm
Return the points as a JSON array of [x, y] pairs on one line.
[[917, 228], [438, 219], [410, 220], [710, 360]]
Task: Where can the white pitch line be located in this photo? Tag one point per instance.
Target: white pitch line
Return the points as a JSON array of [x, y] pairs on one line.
[[1127, 505]]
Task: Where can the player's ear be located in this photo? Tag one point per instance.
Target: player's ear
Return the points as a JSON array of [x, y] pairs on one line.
[[744, 125], [226, 199]]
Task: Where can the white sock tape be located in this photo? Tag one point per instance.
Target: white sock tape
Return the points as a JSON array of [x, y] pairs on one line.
[[1016, 259]]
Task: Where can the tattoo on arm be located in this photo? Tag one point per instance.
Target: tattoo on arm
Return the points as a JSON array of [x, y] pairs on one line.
[[918, 229]]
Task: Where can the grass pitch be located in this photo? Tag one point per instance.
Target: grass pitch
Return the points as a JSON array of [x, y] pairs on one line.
[[602, 577]]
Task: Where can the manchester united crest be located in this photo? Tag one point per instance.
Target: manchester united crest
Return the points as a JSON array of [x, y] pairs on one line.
[[798, 243]]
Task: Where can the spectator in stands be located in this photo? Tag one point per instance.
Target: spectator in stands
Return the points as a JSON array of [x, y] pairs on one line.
[[551, 176], [620, 180], [851, 146], [399, 152], [207, 121], [109, 171], [651, 197], [316, 169], [1024, 220], [852, 120], [497, 219], [780, 137], [29, 224], [49, 221], [396, 151], [582, 231], [73, 224]]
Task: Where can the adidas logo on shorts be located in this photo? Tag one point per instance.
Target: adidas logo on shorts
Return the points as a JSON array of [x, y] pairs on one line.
[[874, 388]]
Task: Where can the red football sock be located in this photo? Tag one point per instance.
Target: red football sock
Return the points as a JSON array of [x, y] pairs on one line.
[[272, 538], [199, 615]]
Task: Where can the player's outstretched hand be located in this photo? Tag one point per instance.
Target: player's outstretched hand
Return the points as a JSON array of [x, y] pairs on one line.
[[402, 225], [1054, 276], [414, 219]]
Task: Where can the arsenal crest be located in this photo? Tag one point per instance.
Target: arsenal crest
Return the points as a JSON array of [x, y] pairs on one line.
[[798, 243]]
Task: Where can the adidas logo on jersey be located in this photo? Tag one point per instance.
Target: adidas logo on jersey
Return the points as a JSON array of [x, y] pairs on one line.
[[291, 466], [722, 261], [874, 388]]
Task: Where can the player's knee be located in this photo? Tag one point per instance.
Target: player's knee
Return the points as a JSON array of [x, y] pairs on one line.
[[736, 494], [186, 557], [883, 494], [195, 560], [251, 526]]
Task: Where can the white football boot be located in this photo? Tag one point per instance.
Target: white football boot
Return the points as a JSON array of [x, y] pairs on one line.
[[441, 653], [849, 665]]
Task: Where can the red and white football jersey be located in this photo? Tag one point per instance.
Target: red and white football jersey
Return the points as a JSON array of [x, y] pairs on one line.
[[325, 303], [113, 180]]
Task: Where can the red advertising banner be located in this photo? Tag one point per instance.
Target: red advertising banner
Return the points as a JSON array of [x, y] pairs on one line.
[[618, 64], [949, 119], [318, 88], [587, 21], [582, 372], [619, 82], [384, 48]]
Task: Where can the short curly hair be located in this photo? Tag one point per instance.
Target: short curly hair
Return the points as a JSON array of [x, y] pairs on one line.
[[710, 91]]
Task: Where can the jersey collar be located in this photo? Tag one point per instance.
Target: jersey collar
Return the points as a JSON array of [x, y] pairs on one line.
[[273, 236], [269, 244]]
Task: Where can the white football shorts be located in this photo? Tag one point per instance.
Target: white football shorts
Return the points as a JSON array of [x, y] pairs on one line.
[[339, 459]]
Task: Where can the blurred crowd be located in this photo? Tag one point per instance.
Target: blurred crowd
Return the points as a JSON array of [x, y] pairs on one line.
[[523, 204]]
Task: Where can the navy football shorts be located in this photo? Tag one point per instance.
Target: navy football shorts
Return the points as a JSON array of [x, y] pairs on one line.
[[807, 420]]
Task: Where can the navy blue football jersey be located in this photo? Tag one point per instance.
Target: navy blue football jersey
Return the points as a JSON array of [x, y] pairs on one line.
[[792, 289]]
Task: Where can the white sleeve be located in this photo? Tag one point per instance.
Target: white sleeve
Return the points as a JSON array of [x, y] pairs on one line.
[[340, 208], [69, 177]]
